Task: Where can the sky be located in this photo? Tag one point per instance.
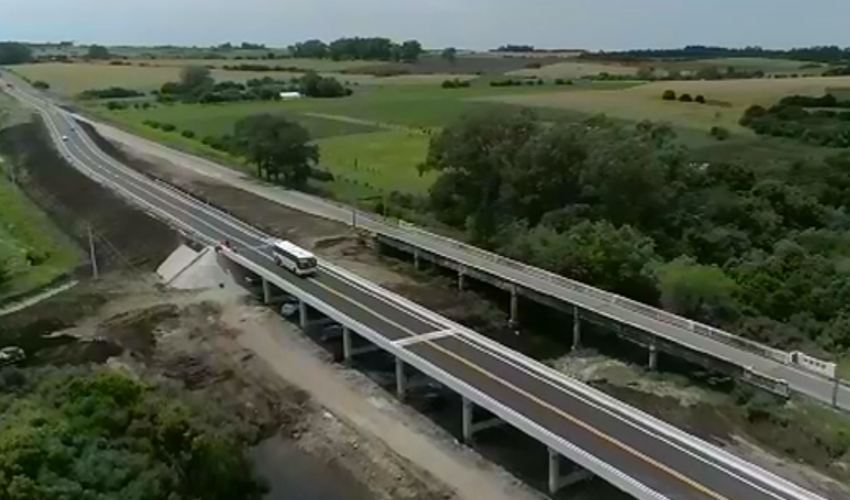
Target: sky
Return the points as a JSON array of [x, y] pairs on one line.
[[470, 24]]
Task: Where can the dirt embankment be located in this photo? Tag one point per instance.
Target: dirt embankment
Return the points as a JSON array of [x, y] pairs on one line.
[[125, 237]]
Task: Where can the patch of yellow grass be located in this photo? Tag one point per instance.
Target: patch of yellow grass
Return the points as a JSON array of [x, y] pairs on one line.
[[644, 102], [575, 69]]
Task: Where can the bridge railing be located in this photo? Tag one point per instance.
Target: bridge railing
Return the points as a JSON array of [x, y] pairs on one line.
[[404, 230]]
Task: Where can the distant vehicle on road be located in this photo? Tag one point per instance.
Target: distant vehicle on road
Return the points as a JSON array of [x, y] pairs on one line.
[[294, 258], [64, 138], [11, 355]]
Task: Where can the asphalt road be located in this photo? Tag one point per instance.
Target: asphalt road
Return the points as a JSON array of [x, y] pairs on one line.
[[675, 470]]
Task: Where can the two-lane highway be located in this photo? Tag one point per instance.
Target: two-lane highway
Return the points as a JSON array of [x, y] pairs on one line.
[[616, 445]]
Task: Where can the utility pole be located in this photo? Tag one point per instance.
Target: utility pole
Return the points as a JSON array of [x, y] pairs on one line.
[[92, 255]]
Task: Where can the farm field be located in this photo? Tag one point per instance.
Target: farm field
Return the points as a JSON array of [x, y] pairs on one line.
[[730, 97], [319, 65], [769, 66], [71, 79], [575, 69]]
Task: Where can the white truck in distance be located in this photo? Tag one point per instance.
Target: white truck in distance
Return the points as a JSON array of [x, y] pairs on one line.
[[294, 258]]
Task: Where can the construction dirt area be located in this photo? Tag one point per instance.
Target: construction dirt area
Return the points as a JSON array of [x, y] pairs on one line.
[[220, 341]]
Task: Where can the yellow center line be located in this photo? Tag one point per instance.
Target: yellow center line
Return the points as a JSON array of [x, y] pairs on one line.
[[587, 427]]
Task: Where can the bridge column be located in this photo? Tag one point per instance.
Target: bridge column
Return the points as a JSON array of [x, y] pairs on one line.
[[653, 357], [554, 471], [514, 306], [302, 314], [576, 329], [416, 259], [346, 345], [467, 419], [400, 379], [461, 278], [267, 292]]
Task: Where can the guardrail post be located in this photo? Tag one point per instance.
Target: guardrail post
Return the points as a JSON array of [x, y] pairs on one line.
[[400, 379], [576, 329], [346, 345], [267, 291], [554, 471], [653, 357], [514, 306], [466, 407], [302, 314]]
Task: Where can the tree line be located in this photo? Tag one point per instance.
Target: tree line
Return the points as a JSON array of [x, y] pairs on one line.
[[828, 124], [821, 54], [358, 48], [81, 433], [197, 85], [627, 209]]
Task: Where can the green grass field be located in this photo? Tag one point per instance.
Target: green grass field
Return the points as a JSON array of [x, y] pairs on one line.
[[376, 163], [25, 232]]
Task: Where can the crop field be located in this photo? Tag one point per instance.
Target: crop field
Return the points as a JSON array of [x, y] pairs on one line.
[[731, 98], [71, 79], [575, 69], [769, 66], [318, 65], [464, 64]]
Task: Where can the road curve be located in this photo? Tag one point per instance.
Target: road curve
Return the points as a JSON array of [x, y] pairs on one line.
[[659, 466]]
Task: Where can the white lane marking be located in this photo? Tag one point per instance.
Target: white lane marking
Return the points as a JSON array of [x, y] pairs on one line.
[[425, 337], [411, 340]]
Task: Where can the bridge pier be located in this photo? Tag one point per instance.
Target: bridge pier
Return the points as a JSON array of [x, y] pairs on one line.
[[346, 345], [470, 426], [556, 480], [653, 357], [514, 306], [267, 292], [302, 314], [576, 329], [400, 379], [416, 259], [461, 278]]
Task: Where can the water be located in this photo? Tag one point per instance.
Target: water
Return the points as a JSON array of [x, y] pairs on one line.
[[294, 475]]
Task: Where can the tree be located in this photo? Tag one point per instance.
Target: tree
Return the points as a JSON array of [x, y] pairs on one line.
[[41, 84], [686, 98], [720, 133], [14, 53], [279, 148], [449, 54], [97, 52], [704, 293], [616, 259], [310, 49], [409, 51], [194, 80], [700, 99], [669, 95]]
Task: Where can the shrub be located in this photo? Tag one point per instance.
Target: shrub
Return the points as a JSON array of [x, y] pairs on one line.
[[188, 134], [321, 175], [720, 133], [41, 84], [167, 127], [151, 123], [669, 95], [700, 99], [114, 106], [686, 98]]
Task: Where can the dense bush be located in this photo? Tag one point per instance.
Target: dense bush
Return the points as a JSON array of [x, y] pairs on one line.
[[110, 93], [167, 127], [188, 134], [456, 84], [41, 84], [720, 133], [669, 95], [791, 118], [700, 99], [625, 209], [98, 433], [686, 98]]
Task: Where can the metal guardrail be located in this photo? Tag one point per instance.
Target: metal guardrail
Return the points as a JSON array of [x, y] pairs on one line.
[[771, 384], [402, 229]]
